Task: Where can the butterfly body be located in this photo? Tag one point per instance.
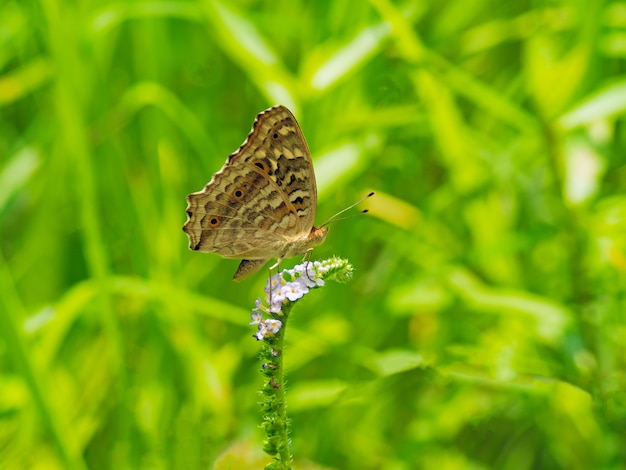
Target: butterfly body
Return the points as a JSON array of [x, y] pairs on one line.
[[262, 203]]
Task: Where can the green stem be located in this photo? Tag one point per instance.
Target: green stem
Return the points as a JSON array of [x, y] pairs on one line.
[[274, 405]]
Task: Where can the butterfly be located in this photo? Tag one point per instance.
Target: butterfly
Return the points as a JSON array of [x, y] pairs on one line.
[[261, 204]]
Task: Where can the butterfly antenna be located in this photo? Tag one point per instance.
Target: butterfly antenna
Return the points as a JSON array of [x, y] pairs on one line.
[[334, 217]]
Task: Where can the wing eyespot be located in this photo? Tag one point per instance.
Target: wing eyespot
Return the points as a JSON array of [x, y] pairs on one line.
[[239, 193], [262, 164], [214, 222]]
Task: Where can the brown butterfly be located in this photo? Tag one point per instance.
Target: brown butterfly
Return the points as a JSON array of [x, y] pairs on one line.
[[261, 204]]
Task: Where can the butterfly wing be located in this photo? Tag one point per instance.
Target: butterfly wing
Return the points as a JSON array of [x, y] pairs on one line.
[[263, 197]]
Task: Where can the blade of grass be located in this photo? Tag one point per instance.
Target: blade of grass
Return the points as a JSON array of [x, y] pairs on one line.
[[17, 349]]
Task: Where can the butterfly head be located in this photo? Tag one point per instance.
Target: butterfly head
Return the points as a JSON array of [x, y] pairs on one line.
[[318, 235]]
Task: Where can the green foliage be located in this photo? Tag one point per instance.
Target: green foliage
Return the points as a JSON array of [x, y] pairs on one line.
[[485, 324]]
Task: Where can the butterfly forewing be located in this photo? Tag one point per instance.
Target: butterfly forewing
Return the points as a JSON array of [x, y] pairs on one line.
[[277, 147]]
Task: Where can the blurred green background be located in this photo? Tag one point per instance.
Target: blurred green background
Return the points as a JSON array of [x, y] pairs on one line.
[[485, 325]]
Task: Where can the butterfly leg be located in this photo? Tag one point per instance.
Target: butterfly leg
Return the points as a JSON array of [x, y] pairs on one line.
[[269, 281], [305, 258], [276, 265]]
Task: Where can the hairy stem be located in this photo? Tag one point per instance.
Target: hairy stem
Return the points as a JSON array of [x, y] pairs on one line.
[[274, 406]]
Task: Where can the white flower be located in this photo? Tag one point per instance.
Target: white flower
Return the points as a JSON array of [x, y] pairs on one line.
[[260, 334], [307, 267], [267, 327], [295, 290], [256, 317], [273, 326], [273, 283], [276, 303]]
